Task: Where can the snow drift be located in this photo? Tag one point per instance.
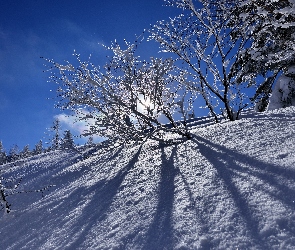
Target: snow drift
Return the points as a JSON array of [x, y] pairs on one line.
[[231, 187]]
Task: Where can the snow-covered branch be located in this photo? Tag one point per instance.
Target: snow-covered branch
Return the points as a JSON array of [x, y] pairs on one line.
[[127, 97], [200, 38], [270, 26]]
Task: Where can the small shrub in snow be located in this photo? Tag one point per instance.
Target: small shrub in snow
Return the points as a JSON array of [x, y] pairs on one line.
[[9, 187]]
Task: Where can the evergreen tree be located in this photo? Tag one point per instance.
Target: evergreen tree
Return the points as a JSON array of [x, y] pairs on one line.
[[3, 156], [54, 134], [25, 152], [89, 142], [67, 141], [13, 153], [38, 148]]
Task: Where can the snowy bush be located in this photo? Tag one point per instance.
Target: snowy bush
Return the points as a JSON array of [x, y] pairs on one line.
[[7, 188], [127, 99]]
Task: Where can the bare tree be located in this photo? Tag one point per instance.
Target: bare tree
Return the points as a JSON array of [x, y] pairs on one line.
[[127, 99], [201, 39]]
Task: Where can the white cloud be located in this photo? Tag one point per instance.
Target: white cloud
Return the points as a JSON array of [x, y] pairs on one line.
[[77, 127]]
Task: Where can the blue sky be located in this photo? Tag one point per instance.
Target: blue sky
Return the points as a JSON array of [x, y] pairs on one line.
[[54, 29]]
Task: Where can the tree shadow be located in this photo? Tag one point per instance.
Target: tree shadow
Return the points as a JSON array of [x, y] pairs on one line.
[[104, 153], [104, 193], [225, 161], [98, 198], [74, 220], [73, 172], [160, 232]]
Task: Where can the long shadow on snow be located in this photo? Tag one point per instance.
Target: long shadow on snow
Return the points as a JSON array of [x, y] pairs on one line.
[[224, 161], [33, 177], [104, 154], [77, 226], [262, 170], [160, 233], [71, 173], [101, 201]]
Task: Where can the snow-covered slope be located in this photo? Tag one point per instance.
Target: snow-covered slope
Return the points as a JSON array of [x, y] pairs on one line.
[[231, 187]]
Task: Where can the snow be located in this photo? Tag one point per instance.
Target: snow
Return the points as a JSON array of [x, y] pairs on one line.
[[231, 187], [283, 94], [291, 70]]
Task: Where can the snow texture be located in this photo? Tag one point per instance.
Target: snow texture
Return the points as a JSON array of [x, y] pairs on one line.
[[230, 187], [283, 94]]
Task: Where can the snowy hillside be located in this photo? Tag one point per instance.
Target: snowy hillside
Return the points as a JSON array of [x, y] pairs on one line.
[[231, 187]]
